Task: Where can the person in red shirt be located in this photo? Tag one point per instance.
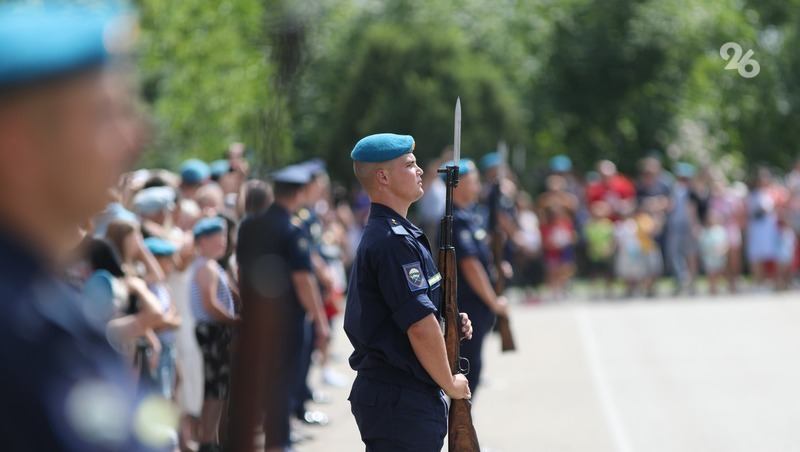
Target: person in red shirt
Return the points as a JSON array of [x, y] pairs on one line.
[[612, 187], [558, 240]]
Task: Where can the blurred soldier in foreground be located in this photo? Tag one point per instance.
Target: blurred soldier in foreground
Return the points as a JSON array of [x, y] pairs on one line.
[[66, 135], [392, 315]]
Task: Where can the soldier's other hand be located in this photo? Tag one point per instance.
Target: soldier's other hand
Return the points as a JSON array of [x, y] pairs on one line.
[[459, 388], [501, 306], [323, 334], [466, 326]]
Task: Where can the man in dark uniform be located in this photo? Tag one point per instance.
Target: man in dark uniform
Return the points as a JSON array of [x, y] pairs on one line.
[[392, 314], [476, 295], [279, 292], [66, 136]]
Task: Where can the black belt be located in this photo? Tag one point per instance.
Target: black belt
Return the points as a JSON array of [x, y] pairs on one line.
[[400, 378]]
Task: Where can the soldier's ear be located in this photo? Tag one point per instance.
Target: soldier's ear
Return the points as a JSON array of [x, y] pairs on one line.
[[382, 176]]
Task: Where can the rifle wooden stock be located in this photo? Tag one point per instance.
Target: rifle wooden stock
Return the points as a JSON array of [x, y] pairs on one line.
[[503, 325], [460, 431]]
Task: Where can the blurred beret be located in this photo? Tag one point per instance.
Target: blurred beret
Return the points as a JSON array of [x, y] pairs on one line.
[[219, 167], [292, 175], [154, 199], [684, 170], [103, 296], [465, 166], [159, 247], [315, 167], [382, 147], [489, 161], [208, 226], [47, 40], [560, 164], [194, 171]]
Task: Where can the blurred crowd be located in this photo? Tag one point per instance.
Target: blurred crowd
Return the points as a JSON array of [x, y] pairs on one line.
[[625, 234], [168, 237], [164, 240]]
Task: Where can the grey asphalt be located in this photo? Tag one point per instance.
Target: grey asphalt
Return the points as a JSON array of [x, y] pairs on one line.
[[674, 375]]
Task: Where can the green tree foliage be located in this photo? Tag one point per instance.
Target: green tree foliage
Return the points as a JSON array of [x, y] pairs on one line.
[[206, 74]]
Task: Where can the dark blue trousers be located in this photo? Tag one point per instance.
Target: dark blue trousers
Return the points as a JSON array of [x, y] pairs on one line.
[[394, 418]]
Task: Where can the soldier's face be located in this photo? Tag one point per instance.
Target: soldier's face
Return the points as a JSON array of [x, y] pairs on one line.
[[406, 178], [89, 135]]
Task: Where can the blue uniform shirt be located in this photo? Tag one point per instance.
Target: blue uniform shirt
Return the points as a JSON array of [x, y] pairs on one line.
[[394, 284], [470, 239], [64, 387], [274, 233]]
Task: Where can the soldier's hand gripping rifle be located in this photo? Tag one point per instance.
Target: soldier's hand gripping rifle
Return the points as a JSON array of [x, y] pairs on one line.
[[498, 236], [460, 431]]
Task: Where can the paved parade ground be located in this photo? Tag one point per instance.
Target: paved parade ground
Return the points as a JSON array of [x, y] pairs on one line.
[[674, 375]]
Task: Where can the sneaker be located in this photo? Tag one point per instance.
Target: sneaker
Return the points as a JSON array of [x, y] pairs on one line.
[[332, 378]]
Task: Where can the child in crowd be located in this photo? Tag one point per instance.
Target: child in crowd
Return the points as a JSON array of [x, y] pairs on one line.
[[558, 239], [714, 249], [630, 264], [785, 256], [600, 244]]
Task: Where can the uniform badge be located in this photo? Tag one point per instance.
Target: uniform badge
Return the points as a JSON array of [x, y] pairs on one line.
[[302, 244], [304, 214], [480, 234], [414, 276], [466, 237]]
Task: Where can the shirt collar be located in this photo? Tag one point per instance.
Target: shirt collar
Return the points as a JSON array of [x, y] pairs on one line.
[[382, 211]]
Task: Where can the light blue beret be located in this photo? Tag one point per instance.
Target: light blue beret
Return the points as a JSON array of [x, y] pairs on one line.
[[382, 147], [292, 175], [208, 226], [99, 294], [159, 247], [154, 199], [219, 167], [489, 161], [684, 170], [560, 164], [47, 40], [465, 166], [194, 171]]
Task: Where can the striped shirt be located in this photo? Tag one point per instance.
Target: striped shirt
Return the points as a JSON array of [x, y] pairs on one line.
[[224, 296], [161, 292]]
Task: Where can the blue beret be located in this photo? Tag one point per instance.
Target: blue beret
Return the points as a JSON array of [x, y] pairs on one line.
[[194, 171], [101, 295], [219, 167], [159, 247], [208, 226], [314, 167], [154, 199], [382, 147], [684, 170], [41, 41], [560, 164], [292, 175], [489, 161], [465, 166]]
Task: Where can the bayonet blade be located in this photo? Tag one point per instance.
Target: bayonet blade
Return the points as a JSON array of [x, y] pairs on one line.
[[502, 151], [457, 134]]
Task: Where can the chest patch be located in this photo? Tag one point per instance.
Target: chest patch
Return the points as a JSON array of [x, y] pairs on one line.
[[414, 276]]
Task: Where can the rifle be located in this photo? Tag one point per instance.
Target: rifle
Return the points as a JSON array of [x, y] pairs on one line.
[[503, 325], [460, 431]]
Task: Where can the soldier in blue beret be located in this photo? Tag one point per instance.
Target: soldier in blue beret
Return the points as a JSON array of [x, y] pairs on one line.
[[476, 295], [279, 291], [392, 315], [66, 137]]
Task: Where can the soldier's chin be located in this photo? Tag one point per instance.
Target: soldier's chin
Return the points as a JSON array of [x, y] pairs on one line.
[[419, 195]]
